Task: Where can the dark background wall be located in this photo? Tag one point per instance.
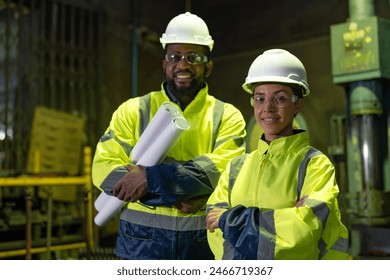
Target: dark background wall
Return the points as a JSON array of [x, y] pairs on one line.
[[242, 30]]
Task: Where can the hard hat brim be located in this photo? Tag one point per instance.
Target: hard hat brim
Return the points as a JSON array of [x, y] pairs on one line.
[[249, 82]]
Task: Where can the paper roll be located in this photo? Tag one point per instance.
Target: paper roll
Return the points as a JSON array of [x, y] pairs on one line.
[[111, 207], [168, 137], [161, 120], [101, 201]]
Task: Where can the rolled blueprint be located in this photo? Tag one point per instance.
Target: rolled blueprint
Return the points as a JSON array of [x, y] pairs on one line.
[[111, 206], [161, 120], [168, 137], [101, 201], [159, 136]]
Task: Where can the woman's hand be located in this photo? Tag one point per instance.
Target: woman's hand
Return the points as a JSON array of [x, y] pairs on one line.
[[212, 218]]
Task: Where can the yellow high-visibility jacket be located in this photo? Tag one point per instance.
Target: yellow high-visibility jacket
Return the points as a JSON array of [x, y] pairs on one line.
[[260, 191], [191, 169]]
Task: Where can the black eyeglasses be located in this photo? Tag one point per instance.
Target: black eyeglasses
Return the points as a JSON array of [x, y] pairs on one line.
[[191, 58]]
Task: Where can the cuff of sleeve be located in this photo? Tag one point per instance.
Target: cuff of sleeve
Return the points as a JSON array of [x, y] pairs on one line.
[[222, 220], [149, 179]]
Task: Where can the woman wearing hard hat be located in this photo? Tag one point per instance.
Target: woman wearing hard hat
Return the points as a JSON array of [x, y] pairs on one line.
[[279, 201]]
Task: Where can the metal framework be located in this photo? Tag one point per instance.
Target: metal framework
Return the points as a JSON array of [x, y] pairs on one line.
[[49, 56]]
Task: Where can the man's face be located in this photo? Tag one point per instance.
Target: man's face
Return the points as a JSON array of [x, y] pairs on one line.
[[183, 78]]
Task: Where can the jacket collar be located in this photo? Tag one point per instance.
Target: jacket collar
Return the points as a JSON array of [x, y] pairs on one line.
[[285, 145]]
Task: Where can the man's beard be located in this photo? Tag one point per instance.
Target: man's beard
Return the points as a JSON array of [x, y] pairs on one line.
[[184, 92]]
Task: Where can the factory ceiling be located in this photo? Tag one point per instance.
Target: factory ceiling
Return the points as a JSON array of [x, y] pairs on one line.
[[240, 25]]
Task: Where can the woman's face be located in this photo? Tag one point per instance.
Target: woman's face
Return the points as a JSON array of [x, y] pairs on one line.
[[274, 109]]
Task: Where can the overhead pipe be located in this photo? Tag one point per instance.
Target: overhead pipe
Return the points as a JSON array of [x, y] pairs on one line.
[[359, 9], [188, 6], [134, 48]]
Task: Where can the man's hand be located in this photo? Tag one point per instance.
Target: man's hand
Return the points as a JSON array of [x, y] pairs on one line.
[[133, 185], [212, 218], [191, 206]]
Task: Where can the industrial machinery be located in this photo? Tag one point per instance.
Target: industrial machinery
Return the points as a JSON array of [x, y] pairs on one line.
[[361, 64], [46, 213]]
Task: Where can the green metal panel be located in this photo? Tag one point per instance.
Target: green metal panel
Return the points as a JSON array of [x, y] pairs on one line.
[[359, 50]]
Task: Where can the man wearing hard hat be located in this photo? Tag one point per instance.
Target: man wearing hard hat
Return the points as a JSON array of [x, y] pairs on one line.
[[165, 216], [279, 201]]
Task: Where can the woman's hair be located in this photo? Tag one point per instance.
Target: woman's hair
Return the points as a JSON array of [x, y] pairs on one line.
[[298, 90]]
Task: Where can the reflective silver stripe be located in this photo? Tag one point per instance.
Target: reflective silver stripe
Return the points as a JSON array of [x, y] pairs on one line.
[[322, 248], [114, 177], [219, 108], [321, 211], [267, 237], [238, 141], [341, 245], [302, 169], [144, 112], [217, 205], [228, 251], [205, 164], [107, 136], [163, 221], [235, 167], [110, 135]]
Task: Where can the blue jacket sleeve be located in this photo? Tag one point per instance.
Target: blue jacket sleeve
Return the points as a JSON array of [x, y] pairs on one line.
[[173, 182], [240, 227]]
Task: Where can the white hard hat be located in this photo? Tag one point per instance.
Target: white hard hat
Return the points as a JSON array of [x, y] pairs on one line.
[[279, 66], [187, 28]]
